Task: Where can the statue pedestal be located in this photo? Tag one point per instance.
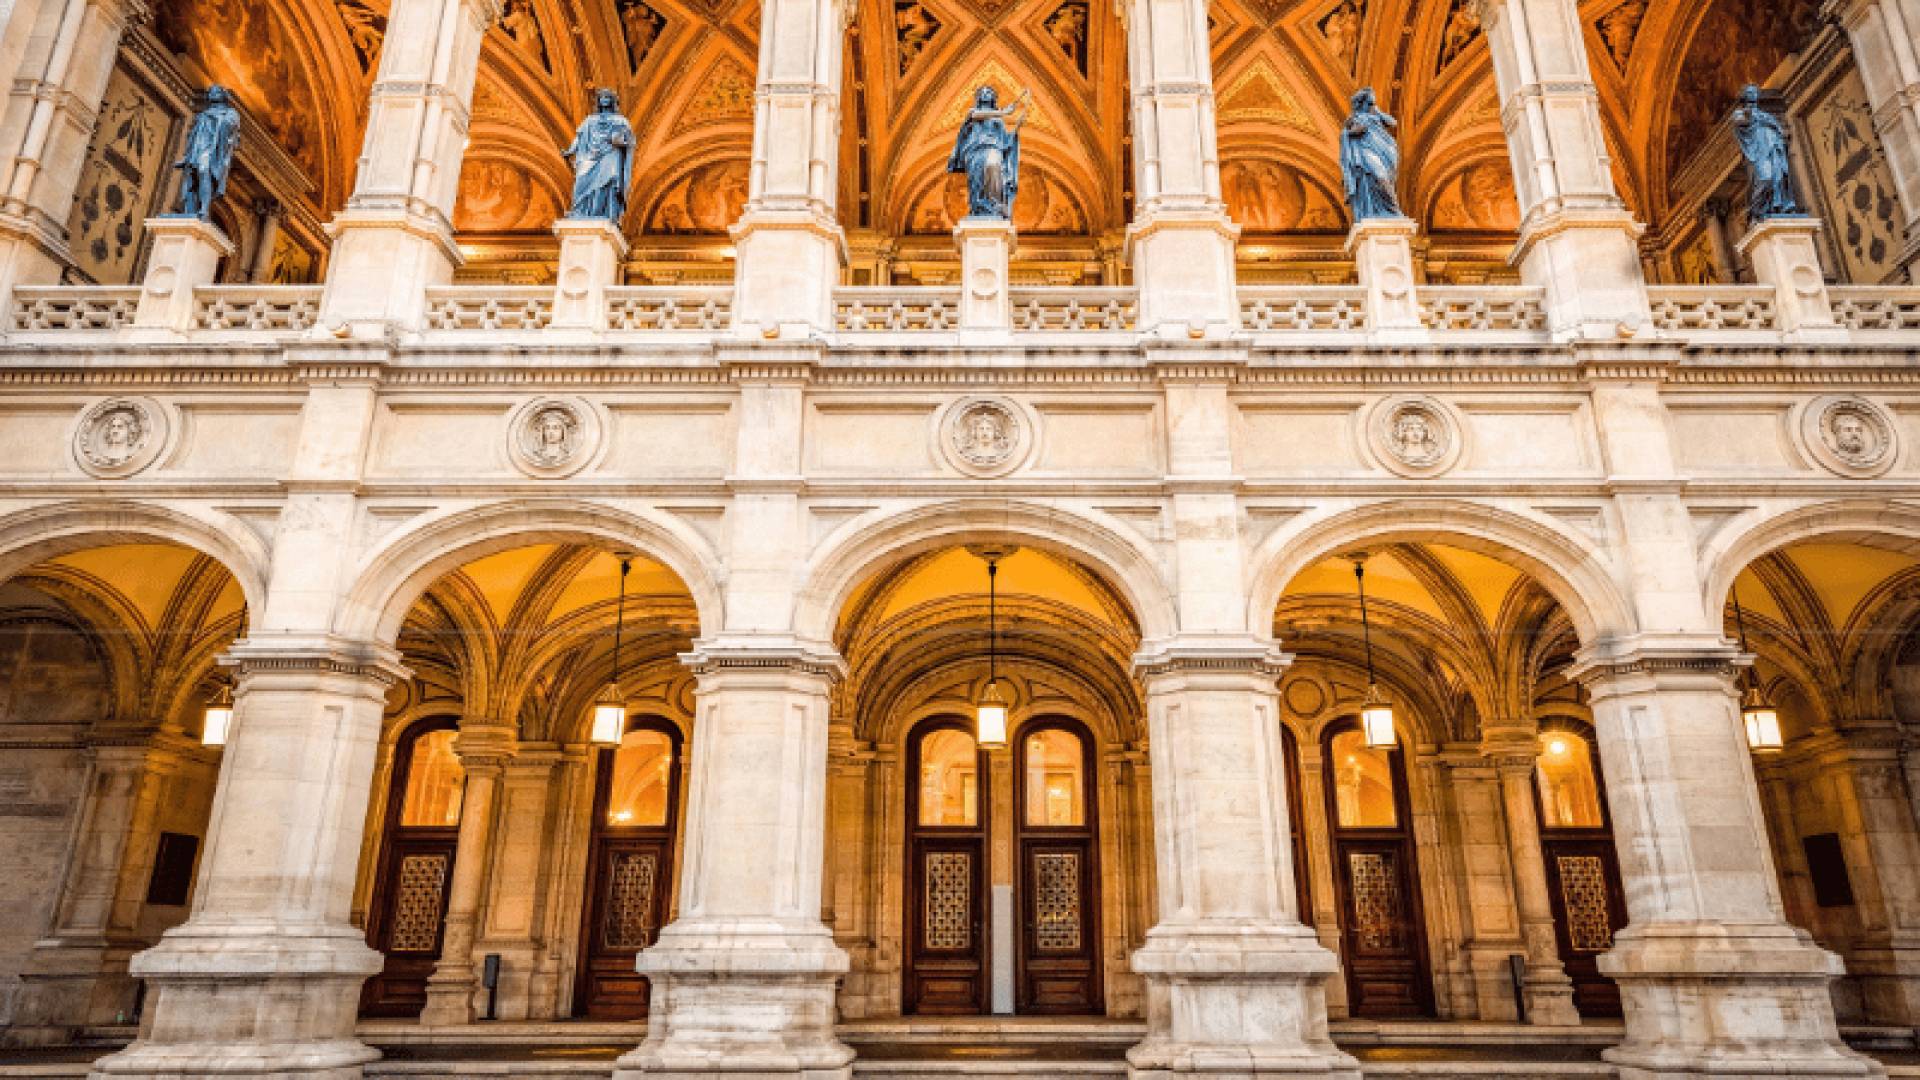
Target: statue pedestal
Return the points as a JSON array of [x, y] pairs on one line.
[[986, 298], [1785, 253], [1382, 252], [591, 252], [186, 255]]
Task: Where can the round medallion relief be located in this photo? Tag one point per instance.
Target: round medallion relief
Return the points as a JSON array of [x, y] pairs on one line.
[[1850, 436], [553, 437], [119, 437], [1415, 436], [985, 436]]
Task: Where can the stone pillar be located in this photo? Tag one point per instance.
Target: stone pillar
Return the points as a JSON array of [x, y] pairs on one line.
[[789, 245], [1785, 253], [1382, 253], [1235, 983], [1577, 239], [1882, 849], [743, 981], [186, 257], [271, 216], [1726, 261], [535, 827], [1548, 991], [394, 240], [1886, 48], [64, 51], [1713, 979], [986, 247], [1181, 241], [264, 978], [77, 975], [591, 253], [483, 751]]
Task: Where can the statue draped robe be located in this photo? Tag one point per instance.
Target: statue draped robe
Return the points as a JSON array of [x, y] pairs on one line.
[[989, 153], [602, 154], [208, 158], [1370, 160], [1763, 142]]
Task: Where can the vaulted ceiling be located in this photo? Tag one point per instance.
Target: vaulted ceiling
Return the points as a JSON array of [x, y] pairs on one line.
[[1283, 71]]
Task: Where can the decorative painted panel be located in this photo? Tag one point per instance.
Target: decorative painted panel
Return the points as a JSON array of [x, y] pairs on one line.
[[1863, 212], [1056, 901], [418, 902], [630, 884], [949, 889], [1583, 888], [119, 184], [1376, 900]]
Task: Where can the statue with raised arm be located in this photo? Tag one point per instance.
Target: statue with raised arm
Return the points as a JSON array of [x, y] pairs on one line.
[[1370, 160], [988, 152], [602, 156], [209, 154], [1763, 142]]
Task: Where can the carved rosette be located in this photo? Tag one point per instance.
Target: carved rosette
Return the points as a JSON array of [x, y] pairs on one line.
[[119, 437], [1850, 436], [985, 437], [553, 437], [1415, 437]]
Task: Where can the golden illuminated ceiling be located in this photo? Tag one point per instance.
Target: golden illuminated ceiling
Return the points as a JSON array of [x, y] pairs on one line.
[[1284, 70]]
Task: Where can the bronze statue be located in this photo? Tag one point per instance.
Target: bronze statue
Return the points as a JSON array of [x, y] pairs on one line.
[[1763, 142], [1370, 158], [602, 156], [209, 154], [988, 151]]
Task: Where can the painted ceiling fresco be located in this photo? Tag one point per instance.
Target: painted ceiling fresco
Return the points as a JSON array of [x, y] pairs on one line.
[[1283, 72]]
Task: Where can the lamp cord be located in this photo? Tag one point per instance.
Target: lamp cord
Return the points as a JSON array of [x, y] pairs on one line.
[[1366, 628], [620, 619], [993, 623], [1740, 623]]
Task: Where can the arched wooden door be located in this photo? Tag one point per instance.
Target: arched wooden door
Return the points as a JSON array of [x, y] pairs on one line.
[[1057, 885], [1383, 936], [946, 955], [1583, 869], [636, 802], [407, 917], [1296, 826]]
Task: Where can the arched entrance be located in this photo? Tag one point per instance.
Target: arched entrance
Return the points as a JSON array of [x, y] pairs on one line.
[[947, 939], [1384, 944], [636, 801], [1056, 844], [406, 919], [1583, 869]]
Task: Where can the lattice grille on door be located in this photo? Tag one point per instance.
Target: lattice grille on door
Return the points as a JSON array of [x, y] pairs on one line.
[[630, 885], [1056, 901], [949, 919], [1376, 901], [417, 904], [1583, 887]]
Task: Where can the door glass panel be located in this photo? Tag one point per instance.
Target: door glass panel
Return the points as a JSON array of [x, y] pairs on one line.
[[1569, 793], [1056, 790], [949, 779], [1583, 890], [417, 903], [642, 780], [1376, 900], [1363, 784], [949, 900], [1056, 901], [434, 782], [630, 886]]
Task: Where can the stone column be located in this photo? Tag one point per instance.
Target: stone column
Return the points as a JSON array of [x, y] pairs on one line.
[[1549, 993], [63, 52], [1181, 241], [1577, 239], [1886, 48], [1882, 849], [394, 240], [484, 750], [789, 244], [534, 824], [264, 978], [1713, 979], [1726, 261], [1235, 983], [743, 981], [271, 216]]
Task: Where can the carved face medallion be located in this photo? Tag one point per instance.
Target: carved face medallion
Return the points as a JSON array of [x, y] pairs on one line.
[[985, 436], [1851, 436], [553, 437], [119, 437], [1415, 437]]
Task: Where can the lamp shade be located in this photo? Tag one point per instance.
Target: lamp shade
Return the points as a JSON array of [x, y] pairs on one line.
[[991, 716], [609, 718], [1763, 723], [217, 722], [1376, 721]]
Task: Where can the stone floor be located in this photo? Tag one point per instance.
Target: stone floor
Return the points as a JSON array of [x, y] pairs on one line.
[[1001, 1049]]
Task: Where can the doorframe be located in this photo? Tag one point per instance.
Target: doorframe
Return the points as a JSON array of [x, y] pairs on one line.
[[1403, 834], [1089, 834], [1601, 837], [393, 834], [597, 833], [913, 891]]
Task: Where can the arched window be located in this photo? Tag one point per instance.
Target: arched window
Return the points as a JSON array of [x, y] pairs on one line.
[[641, 791], [434, 781], [949, 779], [1569, 787], [1362, 783], [1056, 779]]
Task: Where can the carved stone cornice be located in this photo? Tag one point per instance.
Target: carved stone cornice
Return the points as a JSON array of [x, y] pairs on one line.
[[1655, 656], [1189, 656], [777, 656], [317, 655]]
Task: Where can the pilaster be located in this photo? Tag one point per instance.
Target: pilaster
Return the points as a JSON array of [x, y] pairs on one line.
[[1886, 49]]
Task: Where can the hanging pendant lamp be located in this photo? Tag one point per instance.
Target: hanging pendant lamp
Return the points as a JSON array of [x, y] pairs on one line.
[[1376, 712], [1762, 720], [990, 716], [217, 721], [610, 709]]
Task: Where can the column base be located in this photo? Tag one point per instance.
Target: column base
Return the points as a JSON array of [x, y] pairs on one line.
[[450, 993], [986, 300], [383, 263], [1588, 261], [1889, 978], [1183, 267], [1727, 1002], [1382, 254], [69, 986], [741, 1001], [249, 1001], [1237, 1002], [786, 264]]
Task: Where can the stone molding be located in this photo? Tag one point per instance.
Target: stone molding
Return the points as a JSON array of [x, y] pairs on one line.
[[325, 656], [1187, 657], [786, 657]]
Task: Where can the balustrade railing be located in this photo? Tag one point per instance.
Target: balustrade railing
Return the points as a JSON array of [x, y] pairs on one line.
[[73, 307], [1483, 308], [1859, 307], [1697, 308], [271, 308], [1267, 308], [889, 309], [1071, 309], [655, 307], [489, 307]]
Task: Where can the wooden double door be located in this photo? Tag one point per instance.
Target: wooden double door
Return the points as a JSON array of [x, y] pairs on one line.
[[630, 868], [1054, 840], [1383, 937], [407, 916]]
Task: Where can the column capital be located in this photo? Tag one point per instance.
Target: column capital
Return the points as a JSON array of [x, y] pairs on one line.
[[485, 744], [775, 656], [1656, 657], [1189, 656], [271, 655]]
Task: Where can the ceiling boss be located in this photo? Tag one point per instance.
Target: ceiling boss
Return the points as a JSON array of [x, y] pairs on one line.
[[988, 152]]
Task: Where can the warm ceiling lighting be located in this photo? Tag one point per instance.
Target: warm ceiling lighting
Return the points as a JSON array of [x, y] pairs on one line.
[[610, 710], [1376, 713], [990, 715], [1758, 715], [217, 722], [1557, 747]]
